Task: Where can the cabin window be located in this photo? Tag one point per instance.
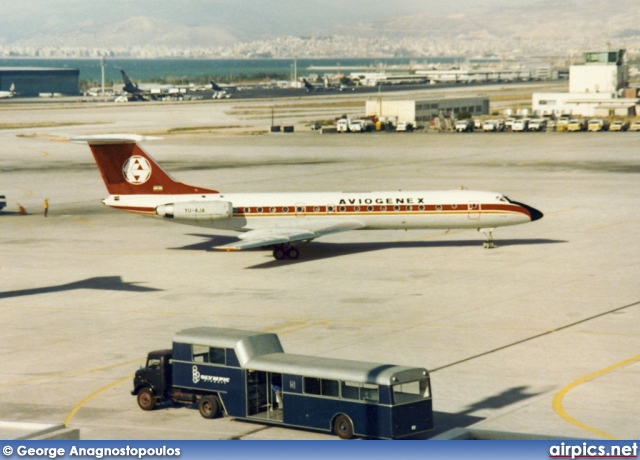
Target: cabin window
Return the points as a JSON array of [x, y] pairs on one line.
[[217, 355], [311, 385], [323, 387], [360, 391], [330, 388], [200, 353], [204, 354], [411, 391]]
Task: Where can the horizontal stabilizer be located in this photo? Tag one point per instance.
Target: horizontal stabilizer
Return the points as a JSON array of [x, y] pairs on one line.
[[102, 139]]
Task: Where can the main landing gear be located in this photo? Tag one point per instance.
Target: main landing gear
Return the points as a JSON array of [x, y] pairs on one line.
[[285, 251], [488, 243]]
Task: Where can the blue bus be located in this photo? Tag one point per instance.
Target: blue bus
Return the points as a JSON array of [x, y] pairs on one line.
[[247, 375]]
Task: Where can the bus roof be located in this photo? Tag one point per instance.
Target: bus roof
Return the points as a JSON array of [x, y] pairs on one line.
[[338, 369], [263, 351], [247, 344]]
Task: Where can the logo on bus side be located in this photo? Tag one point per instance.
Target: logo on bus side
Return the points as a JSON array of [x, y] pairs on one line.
[[136, 170], [197, 377]]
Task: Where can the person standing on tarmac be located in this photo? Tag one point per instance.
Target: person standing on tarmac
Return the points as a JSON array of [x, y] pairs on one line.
[[46, 206]]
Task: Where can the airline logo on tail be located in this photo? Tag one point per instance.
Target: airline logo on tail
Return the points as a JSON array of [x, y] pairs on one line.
[[136, 170]]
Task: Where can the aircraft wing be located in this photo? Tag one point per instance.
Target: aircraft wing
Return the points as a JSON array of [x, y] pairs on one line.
[[274, 236]]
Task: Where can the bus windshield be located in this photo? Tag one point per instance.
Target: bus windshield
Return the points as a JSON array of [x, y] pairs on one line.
[[411, 391]]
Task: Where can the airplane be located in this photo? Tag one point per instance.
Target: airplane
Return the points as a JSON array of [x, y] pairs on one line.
[[220, 92], [136, 183], [310, 87], [10, 93], [149, 91]]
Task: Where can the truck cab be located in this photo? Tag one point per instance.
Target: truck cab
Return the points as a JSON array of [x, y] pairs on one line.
[[152, 383]]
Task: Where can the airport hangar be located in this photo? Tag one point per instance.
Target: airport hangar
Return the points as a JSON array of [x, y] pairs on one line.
[[428, 109], [32, 81]]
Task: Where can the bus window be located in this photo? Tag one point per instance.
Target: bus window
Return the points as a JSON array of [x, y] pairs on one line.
[[200, 353], [360, 391], [217, 355], [311, 385], [330, 388], [350, 390], [411, 391], [370, 392]]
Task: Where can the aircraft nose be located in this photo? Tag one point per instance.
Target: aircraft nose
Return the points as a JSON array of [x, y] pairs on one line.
[[533, 212]]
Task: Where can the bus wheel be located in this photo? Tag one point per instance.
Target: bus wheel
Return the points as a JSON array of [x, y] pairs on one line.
[[209, 406], [343, 427], [146, 401]]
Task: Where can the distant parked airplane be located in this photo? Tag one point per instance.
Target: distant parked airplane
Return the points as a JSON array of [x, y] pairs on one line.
[[145, 91], [137, 183], [10, 93]]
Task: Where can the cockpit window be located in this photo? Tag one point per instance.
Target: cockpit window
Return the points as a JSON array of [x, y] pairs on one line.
[[503, 198]]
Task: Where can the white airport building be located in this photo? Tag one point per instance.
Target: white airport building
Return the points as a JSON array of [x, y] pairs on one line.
[[419, 112], [596, 88]]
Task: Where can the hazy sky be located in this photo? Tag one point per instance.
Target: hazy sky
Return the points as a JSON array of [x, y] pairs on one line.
[[248, 18]]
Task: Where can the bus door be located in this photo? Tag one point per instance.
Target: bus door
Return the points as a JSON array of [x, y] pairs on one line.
[[256, 392], [264, 395]]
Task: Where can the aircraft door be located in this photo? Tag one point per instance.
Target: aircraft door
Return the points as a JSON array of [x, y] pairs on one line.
[[474, 210]]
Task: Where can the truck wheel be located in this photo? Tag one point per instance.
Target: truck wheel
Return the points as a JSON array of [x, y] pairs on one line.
[[209, 406], [146, 400], [343, 427]]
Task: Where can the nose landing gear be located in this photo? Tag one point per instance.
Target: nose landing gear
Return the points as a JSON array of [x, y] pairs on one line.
[[285, 251], [488, 243]]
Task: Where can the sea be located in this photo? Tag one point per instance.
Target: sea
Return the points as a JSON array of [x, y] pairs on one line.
[[224, 70]]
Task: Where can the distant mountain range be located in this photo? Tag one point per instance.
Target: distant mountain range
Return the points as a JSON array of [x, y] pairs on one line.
[[569, 26]]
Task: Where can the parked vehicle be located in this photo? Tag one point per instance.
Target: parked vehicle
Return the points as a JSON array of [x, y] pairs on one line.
[[493, 125], [598, 124], [520, 125], [635, 126], [508, 123], [3, 202], [576, 124], [563, 123], [538, 124], [618, 125], [248, 375], [405, 126], [464, 126]]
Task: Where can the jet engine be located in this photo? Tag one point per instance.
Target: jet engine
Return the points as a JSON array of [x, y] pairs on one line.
[[196, 210]]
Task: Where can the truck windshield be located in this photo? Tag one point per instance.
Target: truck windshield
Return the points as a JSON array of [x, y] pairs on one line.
[[411, 391]]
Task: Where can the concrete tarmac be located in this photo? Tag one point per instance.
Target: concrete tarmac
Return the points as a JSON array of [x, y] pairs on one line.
[[538, 336]]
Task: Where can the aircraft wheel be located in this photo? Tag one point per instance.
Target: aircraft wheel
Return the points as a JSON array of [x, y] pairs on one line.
[[279, 253], [292, 253]]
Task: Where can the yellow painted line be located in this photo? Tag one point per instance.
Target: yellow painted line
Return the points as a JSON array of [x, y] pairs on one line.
[[612, 224], [557, 400], [82, 221], [79, 406], [561, 210]]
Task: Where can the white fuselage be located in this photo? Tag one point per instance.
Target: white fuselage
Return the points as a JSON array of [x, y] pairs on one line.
[[372, 210]]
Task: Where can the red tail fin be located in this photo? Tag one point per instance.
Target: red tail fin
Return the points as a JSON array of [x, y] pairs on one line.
[[127, 170]]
